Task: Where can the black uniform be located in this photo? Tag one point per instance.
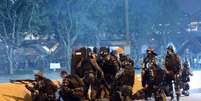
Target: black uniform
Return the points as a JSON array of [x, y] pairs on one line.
[[147, 74], [173, 68], [185, 78], [125, 80], [43, 90], [110, 68], [151, 74]]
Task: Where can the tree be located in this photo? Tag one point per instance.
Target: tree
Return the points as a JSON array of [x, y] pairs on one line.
[[12, 24]]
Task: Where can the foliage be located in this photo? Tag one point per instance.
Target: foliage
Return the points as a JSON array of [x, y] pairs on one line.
[[86, 21]]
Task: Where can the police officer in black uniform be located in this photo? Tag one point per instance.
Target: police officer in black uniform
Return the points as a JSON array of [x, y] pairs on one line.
[[109, 65], [185, 78], [71, 88], [125, 77], [90, 70], [173, 71], [43, 89], [147, 72]]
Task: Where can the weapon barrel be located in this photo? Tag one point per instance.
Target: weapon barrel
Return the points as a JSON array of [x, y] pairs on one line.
[[174, 92], [25, 81]]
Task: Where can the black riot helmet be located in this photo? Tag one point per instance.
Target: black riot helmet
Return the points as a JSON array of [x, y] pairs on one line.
[[63, 74], [170, 48], [104, 51], [151, 51]]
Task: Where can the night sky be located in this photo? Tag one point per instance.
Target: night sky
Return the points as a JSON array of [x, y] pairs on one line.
[[190, 6]]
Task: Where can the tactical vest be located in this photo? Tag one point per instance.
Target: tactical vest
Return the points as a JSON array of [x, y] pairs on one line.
[[172, 63]]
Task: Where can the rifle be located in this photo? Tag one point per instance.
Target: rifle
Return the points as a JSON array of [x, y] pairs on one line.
[[174, 91], [24, 81]]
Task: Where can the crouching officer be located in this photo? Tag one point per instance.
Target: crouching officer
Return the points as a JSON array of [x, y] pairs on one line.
[[71, 88], [42, 89]]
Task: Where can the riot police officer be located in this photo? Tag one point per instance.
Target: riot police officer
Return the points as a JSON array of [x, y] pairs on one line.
[[71, 88], [147, 72], [125, 77], [173, 69], [90, 70], [43, 89], [185, 78]]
